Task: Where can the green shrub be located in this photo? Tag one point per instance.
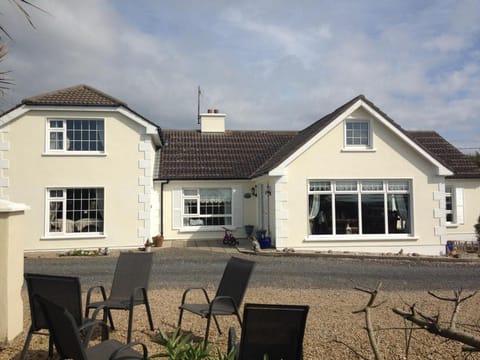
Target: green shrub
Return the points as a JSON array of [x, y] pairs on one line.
[[180, 346]]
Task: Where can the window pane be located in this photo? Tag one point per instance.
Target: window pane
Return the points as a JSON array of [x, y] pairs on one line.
[[398, 213], [85, 135], [56, 140], [346, 212], [320, 214], [190, 192], [320, 186], [398, 185], [346, 186], [56, 216], [85, 210], [373, 214], [357, 133], [372, 185]]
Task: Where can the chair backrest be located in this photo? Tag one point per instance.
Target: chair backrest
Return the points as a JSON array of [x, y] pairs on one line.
[[63, 290], [63, 329], [132, 271], [275, 330], [235, 279]]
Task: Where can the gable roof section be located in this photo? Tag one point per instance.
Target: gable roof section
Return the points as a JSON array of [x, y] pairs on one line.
[[307, 137], [80, 95], [192, 155], [83, 98], [462, 166]]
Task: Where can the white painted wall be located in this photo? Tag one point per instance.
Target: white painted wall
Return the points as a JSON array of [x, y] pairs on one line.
[[12, 233], [390, 158], [125, 173]]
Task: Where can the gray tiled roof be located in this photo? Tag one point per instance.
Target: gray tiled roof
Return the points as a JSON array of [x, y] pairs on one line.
[[80, 95], [193, 155], [249, 154], [461, 165]]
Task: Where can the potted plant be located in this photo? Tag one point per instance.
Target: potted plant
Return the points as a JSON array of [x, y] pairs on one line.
[[158, 240]]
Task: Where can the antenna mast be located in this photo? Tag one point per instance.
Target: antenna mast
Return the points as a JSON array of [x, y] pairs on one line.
[[198, 103]]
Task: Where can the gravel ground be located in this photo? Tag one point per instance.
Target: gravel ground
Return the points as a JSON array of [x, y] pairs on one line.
[[330, 317]]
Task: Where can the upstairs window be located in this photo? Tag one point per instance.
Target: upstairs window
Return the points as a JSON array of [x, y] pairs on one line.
[[75, 135], [357, 134]]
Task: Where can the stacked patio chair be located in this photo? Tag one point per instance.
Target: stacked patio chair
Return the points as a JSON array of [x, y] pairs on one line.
[[129, 289], [64, 290], [228, 298], [65, 334], [273, 330]]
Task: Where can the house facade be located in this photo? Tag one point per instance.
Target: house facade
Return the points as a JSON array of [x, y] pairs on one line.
[[97, 174], [83, 161]]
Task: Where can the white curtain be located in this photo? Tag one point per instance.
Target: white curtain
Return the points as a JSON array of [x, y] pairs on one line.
[[314, 207]]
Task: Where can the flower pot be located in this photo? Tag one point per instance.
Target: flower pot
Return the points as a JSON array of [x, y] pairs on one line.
[[158, 240], [148, 249], [265, 243]]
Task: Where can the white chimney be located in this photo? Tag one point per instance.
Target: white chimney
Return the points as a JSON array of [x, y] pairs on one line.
[[212, 121]]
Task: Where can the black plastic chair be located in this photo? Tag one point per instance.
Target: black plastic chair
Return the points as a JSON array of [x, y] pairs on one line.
[[273, 330], [65, 334], [64, 290], [129, 288], [228, 298]]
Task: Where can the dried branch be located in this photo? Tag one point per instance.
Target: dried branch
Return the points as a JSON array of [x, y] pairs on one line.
[[350, 348], [368, 320]]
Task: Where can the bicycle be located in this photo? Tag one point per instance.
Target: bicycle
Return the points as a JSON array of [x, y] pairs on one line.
[[228, 238]]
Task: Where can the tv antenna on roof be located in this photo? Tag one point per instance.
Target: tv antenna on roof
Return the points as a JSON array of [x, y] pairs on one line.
[[198, 103]]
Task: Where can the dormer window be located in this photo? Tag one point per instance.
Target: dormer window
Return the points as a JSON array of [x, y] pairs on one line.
[[358, 134], [75, 136]]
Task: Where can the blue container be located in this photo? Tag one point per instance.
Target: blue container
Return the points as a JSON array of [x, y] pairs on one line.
[[265, 243]]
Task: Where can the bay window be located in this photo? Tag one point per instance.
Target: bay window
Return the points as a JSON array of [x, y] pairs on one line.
[[75, 210], [207, 207], [75, 135], [359, 207]]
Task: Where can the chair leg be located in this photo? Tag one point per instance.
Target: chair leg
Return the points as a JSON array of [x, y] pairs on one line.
[[130, 321], [205, 341], [216, 323], [50, 346], [180, 319], [27, 344], [149, 314]]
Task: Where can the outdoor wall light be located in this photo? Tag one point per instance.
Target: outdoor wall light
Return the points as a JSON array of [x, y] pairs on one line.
[[254, 191], [268, 192]]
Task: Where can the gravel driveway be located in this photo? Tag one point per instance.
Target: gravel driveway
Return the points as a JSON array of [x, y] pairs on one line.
[[322, 282]]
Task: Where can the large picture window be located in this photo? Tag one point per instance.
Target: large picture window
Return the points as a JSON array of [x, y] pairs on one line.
[[75, 210], [207, 207], [359, 207], [75, 135]]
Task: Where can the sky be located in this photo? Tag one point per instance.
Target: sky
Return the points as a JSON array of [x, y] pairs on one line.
[[267, 64]]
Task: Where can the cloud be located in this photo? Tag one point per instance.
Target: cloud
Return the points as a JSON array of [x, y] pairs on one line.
[[267, 67]]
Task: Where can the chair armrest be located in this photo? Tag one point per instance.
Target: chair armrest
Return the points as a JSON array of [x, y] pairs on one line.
[[96, 311], [90, 291], [127, 346], [184, 296], [88, 328], [219, 298]]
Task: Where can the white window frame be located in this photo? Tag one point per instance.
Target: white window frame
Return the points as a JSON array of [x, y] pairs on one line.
[[63, 223], [196, 197], [456, 193], [367, 146], [389, 187], [63, 130]]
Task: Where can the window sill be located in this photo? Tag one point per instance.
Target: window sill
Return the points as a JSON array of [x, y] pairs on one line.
[[451, 225], [73, 237], [360, 149], [76, 153], [382, 237]]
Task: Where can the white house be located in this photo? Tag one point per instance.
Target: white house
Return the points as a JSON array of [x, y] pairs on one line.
[[97, 174]]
